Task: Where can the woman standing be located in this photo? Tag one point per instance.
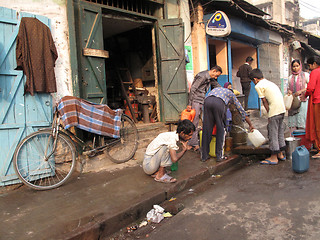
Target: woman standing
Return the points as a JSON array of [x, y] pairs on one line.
[[313, 91], [297, 85]]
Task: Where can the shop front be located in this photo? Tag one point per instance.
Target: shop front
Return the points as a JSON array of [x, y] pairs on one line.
[[128, 56], [231, 51], [249, 36]]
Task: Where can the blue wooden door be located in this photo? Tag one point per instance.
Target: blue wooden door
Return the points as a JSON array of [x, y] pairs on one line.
[[19, 115]]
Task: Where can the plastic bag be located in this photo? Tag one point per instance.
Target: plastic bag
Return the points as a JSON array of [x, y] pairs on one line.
[[156, 214]]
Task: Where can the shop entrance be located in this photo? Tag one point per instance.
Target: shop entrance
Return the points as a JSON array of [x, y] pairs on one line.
[[239, 53], [218, 55], [130, 67], [115, 60], [131, 61]]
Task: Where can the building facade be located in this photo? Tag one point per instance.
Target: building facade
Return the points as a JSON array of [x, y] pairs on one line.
[[280, 11], [104, 49]]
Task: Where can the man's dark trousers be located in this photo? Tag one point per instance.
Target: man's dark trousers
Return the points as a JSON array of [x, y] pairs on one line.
[[246, 86], [214, 114]]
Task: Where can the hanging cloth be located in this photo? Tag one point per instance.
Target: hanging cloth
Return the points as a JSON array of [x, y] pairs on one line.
[[36, 55]]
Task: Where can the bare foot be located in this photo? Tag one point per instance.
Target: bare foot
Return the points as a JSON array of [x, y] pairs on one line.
[[281, 156]]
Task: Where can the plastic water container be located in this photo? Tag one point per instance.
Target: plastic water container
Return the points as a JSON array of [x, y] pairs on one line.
[[300, 159], [256, 138], [212, 152], [188, 114], [288, 101]]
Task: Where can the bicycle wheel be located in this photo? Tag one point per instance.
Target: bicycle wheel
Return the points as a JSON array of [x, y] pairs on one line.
[[41, 167], [122, 149]]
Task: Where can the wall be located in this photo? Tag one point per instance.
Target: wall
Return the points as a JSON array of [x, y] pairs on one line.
[[240, 54], [199, 42], [56, 11], [270, 62], [222, 56], [173, 10], [285, 66], [279, 14]]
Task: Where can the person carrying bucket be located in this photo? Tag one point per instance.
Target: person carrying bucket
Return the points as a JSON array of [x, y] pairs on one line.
[[272, 99]]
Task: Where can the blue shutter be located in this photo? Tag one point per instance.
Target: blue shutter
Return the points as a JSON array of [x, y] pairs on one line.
[[19, 115]]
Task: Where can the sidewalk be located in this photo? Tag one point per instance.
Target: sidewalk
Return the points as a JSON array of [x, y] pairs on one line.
[[93, 205]]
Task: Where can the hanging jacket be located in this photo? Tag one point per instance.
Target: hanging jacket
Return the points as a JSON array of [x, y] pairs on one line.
[[36, 55]]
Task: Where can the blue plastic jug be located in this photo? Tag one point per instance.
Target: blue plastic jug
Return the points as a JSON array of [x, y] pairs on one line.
[[300, 159]]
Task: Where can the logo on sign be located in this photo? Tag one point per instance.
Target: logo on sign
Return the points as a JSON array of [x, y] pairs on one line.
[[218, 25]]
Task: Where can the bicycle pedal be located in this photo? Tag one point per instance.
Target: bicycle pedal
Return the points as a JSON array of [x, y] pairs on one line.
[[90, 153]]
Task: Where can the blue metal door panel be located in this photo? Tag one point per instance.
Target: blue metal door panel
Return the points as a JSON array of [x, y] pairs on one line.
[[19, 115], [253, 100]]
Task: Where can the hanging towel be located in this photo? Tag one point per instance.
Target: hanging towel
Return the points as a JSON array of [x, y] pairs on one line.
[[91, 117], [36, 55]]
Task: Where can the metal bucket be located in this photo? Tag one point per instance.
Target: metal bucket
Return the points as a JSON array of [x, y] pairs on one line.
[[239, 136], [291, 144]]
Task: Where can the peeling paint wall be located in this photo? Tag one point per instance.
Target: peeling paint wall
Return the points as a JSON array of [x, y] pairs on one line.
[[56, 11]]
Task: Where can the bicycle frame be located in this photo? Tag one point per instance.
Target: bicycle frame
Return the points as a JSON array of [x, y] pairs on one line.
[[41, 170], [58, 127]]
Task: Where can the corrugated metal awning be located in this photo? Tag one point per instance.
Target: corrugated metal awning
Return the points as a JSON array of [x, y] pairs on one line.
[[310, 50]]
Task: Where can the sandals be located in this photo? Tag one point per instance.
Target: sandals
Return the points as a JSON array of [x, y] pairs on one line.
[[268, 162], [282, 159], [155, 174], [166, 179], [222, 159], [317, 156]]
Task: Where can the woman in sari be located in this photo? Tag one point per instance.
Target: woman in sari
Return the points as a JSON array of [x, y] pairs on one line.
[[297, 85]]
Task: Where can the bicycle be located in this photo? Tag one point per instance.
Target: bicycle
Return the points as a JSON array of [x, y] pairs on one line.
[[46, 159]]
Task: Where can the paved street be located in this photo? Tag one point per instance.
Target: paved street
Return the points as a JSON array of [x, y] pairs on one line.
[[255, 202]]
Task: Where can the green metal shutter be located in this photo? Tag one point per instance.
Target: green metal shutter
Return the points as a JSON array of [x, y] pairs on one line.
[[92, 68], [173, 84]]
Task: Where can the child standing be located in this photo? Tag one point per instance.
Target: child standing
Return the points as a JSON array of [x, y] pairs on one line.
[[272, 99]]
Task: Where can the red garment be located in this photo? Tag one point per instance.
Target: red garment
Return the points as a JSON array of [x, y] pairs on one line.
[[36, 55], [316, 113], [313, 88], [313, 91], [310, 125]]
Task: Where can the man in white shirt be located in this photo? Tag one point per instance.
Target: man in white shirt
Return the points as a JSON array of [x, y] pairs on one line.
[[162, 151], [272, 99]]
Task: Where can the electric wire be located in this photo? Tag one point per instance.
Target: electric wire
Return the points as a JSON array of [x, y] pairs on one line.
[[309, 7]]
